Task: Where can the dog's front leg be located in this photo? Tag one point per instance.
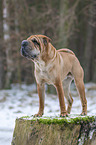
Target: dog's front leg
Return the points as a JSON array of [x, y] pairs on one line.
[[41, 93], [60, 93]]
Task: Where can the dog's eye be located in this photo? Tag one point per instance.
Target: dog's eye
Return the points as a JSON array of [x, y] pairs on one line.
[[35, 42]]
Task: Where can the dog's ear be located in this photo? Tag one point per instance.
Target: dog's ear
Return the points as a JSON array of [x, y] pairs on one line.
[[46, 40]]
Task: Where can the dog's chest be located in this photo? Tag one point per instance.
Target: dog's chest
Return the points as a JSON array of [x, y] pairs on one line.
[[43, 75]]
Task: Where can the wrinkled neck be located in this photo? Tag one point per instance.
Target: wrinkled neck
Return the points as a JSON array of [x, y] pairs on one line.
[[46, 57], [52, 51], [49, 53]]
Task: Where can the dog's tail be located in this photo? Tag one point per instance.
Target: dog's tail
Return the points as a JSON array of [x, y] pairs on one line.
[[66, 50]]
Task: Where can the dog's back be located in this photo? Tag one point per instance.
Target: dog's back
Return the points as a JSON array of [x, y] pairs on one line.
[[66, 50]]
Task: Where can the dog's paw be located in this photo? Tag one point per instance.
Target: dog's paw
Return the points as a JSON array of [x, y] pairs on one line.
[[83, 114], [38, 115], [64, 114]]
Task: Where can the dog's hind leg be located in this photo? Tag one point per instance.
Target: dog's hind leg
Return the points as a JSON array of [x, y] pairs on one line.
[[60, 93], [66, 87], [81, 90], [78, 77]]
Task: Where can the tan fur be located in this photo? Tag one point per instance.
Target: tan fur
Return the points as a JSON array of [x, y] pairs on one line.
[[58, 67]]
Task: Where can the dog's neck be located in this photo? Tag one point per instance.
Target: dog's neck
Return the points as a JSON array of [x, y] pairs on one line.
[[52, 51], [49, 53], [46, 57]]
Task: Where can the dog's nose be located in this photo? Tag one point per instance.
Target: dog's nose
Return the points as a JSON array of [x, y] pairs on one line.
[[24, 43]]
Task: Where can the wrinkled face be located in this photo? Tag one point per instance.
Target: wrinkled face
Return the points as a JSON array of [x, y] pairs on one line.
[[33, 46]]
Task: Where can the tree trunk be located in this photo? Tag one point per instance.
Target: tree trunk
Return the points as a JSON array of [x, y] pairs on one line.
[[89, 46], [62, 32], [94, 58], [17, 41], [67, 19], [2, 55], [93, 53], [7, 42]]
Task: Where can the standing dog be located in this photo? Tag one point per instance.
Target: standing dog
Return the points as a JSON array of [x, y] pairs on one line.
[[56, 67]]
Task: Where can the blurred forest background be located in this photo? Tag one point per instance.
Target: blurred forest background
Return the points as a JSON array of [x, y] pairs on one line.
[[69, 23]]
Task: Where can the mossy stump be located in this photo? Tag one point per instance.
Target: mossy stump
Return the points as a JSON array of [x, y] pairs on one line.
[[55, 131]]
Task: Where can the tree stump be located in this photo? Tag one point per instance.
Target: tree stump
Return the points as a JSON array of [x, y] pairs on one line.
[[55, 131]]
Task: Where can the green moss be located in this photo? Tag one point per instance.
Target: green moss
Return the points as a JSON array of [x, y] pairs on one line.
[[77, 120], [57, 120], [23, 117]]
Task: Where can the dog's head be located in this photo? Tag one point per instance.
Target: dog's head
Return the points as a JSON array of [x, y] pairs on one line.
[[34, 46]]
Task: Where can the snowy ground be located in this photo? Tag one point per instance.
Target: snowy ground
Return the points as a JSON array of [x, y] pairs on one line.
[[21, 102]]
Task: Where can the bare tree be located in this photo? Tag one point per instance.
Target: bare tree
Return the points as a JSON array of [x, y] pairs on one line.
[[2, 60], [67, 19], [89, 43], [7, 42]]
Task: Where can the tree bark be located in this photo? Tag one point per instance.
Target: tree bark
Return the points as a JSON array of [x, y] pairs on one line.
[[94, 57], [89, 46], [67, 19], [2, 55], [7, 43]]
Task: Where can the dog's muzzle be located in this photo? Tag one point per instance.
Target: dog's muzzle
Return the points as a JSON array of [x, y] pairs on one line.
[[25, 51]]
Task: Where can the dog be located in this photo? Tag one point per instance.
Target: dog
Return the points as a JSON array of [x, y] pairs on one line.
[[56, 67]]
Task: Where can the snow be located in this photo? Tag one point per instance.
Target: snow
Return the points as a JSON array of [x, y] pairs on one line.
[[23, 100]]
